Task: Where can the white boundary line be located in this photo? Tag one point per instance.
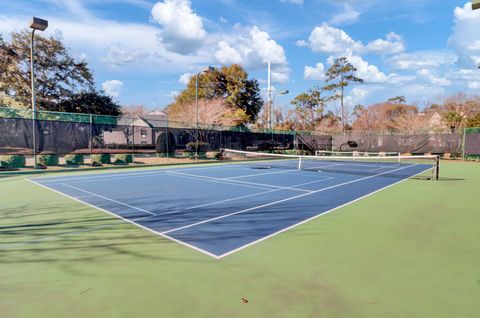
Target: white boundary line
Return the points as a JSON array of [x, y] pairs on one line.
[[258, 174], [316, 216], [108, 199], [235, 250], [129, 221], [236, 182], [142, 218], [281, 201], [124, 174], [215, 180], [243, 197]]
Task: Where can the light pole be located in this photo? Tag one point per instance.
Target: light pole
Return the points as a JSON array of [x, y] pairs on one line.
[[41, 25], [285, 92], [208, 69]]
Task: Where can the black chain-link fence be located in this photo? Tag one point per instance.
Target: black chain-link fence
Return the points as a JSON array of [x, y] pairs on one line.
[[66, 133]]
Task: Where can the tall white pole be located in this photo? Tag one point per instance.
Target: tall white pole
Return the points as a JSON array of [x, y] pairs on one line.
[[34, 105], [196, 107], [269, 96]]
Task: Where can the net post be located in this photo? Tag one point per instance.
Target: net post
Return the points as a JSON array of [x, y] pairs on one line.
[[437, 168], [300, 163]]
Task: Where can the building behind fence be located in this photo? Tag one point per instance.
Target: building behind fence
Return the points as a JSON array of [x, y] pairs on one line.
[[65, 133]]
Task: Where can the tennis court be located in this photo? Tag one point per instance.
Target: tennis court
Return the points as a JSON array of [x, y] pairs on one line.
[[221, 209]]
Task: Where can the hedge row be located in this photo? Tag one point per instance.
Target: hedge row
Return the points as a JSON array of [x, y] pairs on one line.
[[18, 161]]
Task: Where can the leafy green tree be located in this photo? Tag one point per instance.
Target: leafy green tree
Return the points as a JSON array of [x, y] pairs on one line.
[[91, 102], [62, 83], [230, 83], [473, 121], [453, 119], [311, 104], [340, 75]]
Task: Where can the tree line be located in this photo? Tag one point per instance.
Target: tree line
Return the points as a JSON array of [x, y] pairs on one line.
[[227, 96]]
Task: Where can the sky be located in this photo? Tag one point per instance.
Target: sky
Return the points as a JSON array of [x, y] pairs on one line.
[[144, 51]]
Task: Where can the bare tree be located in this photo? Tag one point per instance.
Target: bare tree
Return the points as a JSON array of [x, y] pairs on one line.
[[210, 112]]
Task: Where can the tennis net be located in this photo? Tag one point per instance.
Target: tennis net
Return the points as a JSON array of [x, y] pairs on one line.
[[335, 153], [395, 166]]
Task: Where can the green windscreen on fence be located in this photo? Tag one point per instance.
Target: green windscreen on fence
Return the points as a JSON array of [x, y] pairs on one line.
[[64, 133], [472, 142]]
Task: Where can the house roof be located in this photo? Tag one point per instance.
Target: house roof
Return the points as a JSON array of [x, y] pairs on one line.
[[156, 119]]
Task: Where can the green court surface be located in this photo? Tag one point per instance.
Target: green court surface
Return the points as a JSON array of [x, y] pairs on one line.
[[411, 250]]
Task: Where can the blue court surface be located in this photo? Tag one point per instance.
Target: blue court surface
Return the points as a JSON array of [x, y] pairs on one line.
[[221, 209]]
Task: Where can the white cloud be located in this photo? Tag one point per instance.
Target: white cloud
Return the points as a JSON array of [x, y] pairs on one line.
[[331, 40], [348, 15], [316, 73], [426, 76], [357, 96], [173, 94], [368, 72], [293, 1], [465, 39], [226, 54], [185, 78], [392, 44], [223, 19], [474, 85], [118, 55], [253, 48], [327, 39], [182, 29], [422, 59], [112, 88]]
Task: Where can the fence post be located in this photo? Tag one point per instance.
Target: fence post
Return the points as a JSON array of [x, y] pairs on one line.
[[167, 138], [90, 140], [464, 136], [133, 142]]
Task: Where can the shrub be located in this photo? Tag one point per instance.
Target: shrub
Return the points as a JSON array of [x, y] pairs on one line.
[[74, 160], [200, 153], [13, 161], [123, 159], [165, 145], [202, 146], [103, 158], [48, 160]]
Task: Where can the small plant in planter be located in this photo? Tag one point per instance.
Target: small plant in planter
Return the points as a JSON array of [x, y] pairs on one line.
[[12, 162], [122, 159], [48, 160], [74, 160], [100, 159]]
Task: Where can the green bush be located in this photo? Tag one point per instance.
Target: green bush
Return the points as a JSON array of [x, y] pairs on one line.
[[13, 161], [103, 158], [202, 146], [48, 160], [74, 160], [122, 159]]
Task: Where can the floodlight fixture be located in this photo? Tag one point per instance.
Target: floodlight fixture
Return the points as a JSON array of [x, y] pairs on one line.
[[475, 4], [38, 24]]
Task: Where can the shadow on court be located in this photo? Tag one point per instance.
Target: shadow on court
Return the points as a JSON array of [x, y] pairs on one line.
[[67, 233]]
